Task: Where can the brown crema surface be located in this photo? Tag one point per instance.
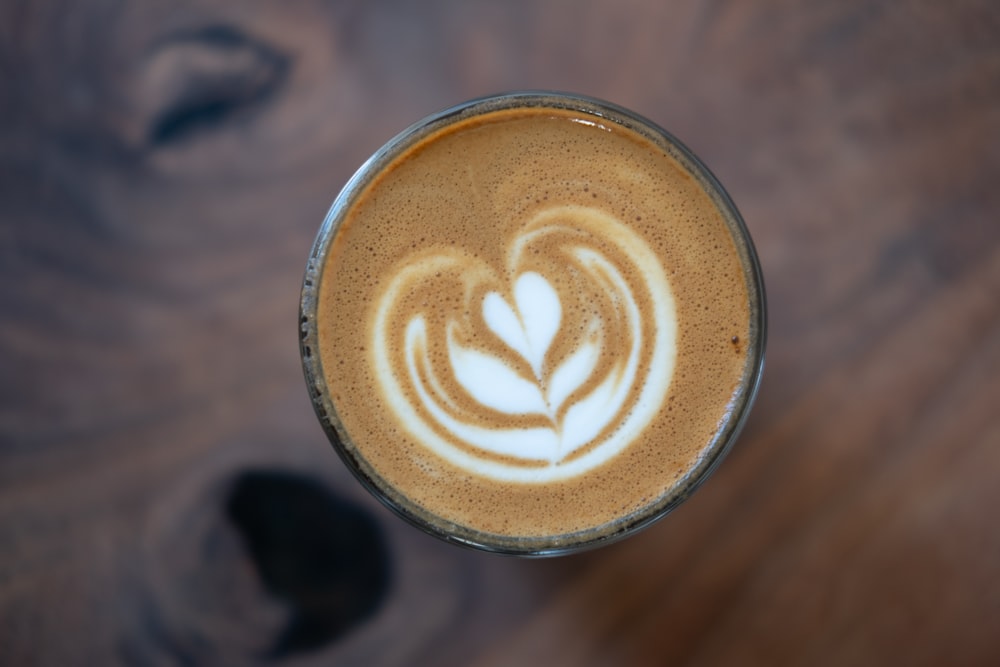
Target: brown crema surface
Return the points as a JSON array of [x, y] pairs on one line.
[[466, 193]]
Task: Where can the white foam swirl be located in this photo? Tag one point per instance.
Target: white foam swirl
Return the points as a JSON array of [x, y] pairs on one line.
[[531, 415]]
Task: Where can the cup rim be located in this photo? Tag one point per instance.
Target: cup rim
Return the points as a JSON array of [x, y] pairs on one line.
[[550, 545]]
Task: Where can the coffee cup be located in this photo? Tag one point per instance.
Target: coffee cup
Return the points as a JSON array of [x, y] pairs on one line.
[[533, 323]]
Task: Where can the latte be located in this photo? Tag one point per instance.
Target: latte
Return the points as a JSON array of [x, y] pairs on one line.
[[532, 323]]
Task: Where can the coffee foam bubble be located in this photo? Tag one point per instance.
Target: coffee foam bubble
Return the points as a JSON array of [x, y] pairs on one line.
[[525, 409]]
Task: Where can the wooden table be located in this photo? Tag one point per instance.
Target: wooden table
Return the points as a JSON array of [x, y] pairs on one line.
[[167, 496]]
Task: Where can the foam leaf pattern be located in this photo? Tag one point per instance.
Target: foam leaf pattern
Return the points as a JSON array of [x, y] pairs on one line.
[[541, 314], [529, 331], [572, 373], [493, 383]]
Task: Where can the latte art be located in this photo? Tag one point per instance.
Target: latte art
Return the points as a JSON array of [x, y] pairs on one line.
[[507, 371]]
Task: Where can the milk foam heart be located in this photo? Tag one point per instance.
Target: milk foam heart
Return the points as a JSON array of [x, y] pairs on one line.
[[529, 414]]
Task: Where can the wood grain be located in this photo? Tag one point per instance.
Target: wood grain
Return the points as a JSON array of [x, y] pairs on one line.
[[167, 497]]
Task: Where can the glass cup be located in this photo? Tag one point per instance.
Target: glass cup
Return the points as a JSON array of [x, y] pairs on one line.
[[322, 384]]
